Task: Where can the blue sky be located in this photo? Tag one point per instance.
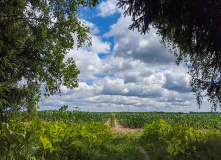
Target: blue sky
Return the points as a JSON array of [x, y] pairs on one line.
[[124, 70]]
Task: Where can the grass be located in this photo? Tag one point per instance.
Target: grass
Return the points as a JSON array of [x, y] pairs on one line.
[[121, 147]]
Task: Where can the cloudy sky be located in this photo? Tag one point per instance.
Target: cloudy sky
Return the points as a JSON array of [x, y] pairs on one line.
[[124, 70]]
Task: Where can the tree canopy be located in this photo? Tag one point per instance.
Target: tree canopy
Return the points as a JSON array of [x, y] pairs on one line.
[[193, 29], [35, 36]]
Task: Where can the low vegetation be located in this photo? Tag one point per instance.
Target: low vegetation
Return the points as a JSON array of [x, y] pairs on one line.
[[82, 135], [199, 120], [179, 141]]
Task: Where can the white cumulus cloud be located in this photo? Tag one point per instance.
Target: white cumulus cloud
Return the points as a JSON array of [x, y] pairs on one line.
[[107, 8]]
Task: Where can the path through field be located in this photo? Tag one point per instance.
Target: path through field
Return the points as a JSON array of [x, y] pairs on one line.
[[118, 128]]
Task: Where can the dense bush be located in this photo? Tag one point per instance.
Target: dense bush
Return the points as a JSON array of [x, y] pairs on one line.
[[165, 141], [51, 140]]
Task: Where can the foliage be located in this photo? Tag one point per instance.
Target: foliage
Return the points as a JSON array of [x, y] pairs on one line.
[[74, 116], [39, 139], [199, 120], [74, 137], [51, 140], [35, 36], [180, 141], [112, 120], [64, 108], [193, 29]]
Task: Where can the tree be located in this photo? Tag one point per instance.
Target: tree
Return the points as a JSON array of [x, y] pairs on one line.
[[193, 29], [34, 39]]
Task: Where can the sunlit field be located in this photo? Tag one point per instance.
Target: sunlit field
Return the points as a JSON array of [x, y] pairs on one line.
[[87, 135]]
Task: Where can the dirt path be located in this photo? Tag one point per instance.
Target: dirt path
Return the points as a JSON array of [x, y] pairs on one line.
[[118, 128], [146, 157], [107, 123]]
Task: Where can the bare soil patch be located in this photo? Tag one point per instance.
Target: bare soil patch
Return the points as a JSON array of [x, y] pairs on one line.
[[119, 128], [107, 123]]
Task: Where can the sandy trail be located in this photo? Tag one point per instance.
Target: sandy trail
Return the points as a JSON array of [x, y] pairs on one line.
[[107, 123], [118, 128]]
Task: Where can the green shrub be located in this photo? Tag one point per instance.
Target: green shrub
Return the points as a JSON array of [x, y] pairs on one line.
[[180, 141]]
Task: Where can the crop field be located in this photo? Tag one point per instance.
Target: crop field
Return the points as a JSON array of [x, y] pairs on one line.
[[140, 119], [86, 135], [75, 116]]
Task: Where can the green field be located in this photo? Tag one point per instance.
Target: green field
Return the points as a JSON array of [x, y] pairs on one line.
[[83, 135], [140, 119]]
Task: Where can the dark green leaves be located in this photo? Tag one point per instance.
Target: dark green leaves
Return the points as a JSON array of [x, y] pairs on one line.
[[192, 26], [35, 36]]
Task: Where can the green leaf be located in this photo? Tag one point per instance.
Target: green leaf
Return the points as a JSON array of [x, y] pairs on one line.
[[46, 143]]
